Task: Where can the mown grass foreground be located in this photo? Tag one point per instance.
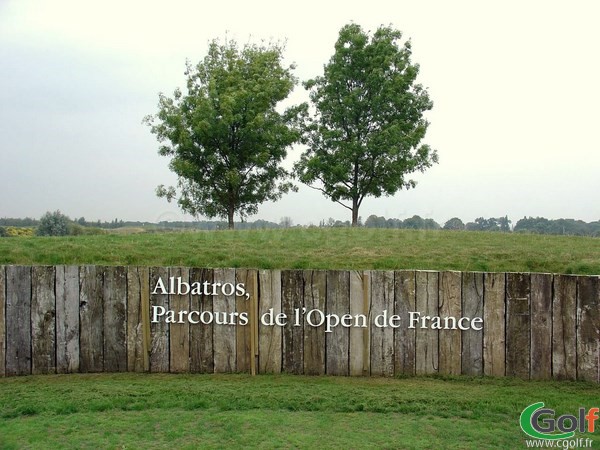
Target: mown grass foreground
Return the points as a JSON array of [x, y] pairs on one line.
[[317, 248], [192, 411]]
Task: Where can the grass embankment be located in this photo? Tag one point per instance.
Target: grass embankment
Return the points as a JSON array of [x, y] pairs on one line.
[[192, 411], [317, 249]]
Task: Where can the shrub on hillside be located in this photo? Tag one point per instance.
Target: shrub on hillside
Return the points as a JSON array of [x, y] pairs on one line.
[[53, 224], [3, 232]]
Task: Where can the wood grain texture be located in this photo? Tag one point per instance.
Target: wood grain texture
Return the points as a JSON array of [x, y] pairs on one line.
[[315, 291], [224, 336], [159, 330], [91, 319], [292, 297], [179, 333], [201, 334], [588, 328], [382, 333], [67, 319], [337, 342], [472, 340], [564, 328], [518, 325], [494, 317], [2, 321], [360, 338], [138, 293], [427, 339], [450, 305], [404, 337], [18, 320], [115, 319], [43, 320], [269, 336], [243, 305], [541, 326]]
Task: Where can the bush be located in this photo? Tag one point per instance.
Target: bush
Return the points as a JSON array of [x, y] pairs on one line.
[[53, 224], [3, 232]]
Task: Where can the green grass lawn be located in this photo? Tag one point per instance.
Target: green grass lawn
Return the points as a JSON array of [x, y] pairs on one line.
[[191, 411], [317, 248]]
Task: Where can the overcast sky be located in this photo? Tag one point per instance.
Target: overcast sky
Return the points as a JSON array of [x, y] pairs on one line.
[[514, 84]]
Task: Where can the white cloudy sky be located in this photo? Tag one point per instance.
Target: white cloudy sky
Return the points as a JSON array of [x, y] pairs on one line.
[[514, 84]]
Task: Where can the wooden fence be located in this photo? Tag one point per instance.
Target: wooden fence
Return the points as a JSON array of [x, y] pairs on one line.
[[67, 319]]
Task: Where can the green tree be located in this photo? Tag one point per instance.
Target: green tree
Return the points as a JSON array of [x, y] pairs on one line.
[[366, 136], [53, 224], [454, 224], [225, 138]]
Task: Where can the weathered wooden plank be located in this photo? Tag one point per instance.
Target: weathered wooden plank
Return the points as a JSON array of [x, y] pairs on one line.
[[564, 323], [427, 339], [292, 296], [494, 309], [224, 335], [541, 326], [138, 307], [360, 337], [472, 340], [43, 320], [159, 328], [115, 319], [67, 319], [270, 334], [91, 319], [18, 320], [337, 341], [201, 334], [243, 305], [179, 334], [450, 305], [384, 321], [588, 328], [518, 325], [404, 337], [2, 321], [314, 337]]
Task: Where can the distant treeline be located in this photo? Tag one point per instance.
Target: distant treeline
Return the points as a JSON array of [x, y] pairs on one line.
[[538, 225]]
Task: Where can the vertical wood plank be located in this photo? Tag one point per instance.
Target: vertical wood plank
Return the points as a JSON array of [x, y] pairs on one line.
[[360, 338], [382, 332], [91, 319], [159, 329], [224, 336], [494, 308], [338, 340], [588, 328], [43, 321], [18, 320], [292, 294], [404, 337], [450, 306], [179, 333], [269, 336], [564, 332], [427, 339], [138, 293], [518, 325], [243, 305], [201, 334], [541, 326], [2, 321], [315, 290], [67, 319], [472, 340], [115, 319]]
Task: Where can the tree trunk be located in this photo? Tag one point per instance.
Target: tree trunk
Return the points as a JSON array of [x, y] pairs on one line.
[[230, 212], [355, 212]]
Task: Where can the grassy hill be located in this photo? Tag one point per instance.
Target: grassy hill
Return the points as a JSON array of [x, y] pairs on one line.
[[317, 248]]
